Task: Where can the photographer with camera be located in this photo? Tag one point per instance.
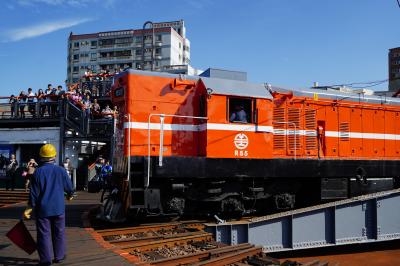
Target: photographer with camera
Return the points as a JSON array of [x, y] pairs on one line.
[[11, 168]]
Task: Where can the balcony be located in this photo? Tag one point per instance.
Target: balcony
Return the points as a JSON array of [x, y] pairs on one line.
[[124, 44], [158, 43], [158, 57], [115, 58], [106, 46]]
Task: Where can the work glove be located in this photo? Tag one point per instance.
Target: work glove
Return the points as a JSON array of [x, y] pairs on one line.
[[28, 213], [69, 197]]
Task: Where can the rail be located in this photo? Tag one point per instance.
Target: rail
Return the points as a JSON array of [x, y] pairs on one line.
[[162, 117], [182, 243]]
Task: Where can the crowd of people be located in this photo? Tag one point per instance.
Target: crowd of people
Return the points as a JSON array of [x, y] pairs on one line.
[[45, 102], [13, 170]]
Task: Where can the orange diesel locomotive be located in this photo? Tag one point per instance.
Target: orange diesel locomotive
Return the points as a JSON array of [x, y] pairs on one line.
[[178, 147]]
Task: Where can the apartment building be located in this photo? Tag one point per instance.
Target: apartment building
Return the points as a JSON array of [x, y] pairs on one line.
[[160, 46], [394, 69]]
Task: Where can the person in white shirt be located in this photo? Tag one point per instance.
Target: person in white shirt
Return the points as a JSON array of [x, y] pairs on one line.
[[31, 104]]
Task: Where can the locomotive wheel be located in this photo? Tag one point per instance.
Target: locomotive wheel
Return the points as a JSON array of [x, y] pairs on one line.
[[232, 207]]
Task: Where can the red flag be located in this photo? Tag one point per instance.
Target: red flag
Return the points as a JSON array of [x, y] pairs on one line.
[[21, 237]]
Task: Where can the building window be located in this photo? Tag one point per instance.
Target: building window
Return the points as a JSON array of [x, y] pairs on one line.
[[159, 38], [138, 52], [180, 45], [240, 110], [138, 66], [75, 69], [84, 55], [123, 40], [76, 44], [93, 56], [93, 43], [123, 53], [76, 57], [158, 51], [138, 39], [106, 42]]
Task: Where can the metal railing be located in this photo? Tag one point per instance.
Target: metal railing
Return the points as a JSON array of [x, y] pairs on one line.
[[21, 110], [77, 117], [98, 88]]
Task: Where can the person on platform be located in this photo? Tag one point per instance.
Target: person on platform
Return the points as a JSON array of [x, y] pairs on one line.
[[31, 167], [13, 102], [41, 98], [22, 102], [95, 109], [49, 98], [107, 112], [87, 104], [31, 102], [46, 198], [68, 166], [11, 168], [239, 115]]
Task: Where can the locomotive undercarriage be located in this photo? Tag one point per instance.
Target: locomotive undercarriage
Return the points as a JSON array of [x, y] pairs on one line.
[[242, 195]]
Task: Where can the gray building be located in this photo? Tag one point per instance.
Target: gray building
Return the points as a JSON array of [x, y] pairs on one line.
[[161, 46]]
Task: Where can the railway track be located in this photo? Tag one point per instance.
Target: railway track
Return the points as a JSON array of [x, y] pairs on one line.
[[185, 243]]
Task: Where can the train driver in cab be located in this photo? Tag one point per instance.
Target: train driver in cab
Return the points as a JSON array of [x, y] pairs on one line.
[[239, 115]]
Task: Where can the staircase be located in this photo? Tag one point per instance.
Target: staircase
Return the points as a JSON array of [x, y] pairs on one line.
[[12, 197], [78, 119]]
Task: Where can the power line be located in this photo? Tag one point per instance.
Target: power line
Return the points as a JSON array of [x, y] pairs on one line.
[[362, 84]]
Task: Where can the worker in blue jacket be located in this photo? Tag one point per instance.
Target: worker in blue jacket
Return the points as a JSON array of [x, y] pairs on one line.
[[46, 198]]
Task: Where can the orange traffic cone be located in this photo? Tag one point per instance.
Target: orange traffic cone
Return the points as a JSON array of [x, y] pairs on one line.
[[21, 237]]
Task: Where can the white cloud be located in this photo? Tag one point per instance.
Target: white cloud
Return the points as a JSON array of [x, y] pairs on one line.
[[18, 34]]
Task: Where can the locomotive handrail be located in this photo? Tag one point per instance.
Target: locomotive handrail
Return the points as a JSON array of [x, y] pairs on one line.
[[295, 135], [129, 150], [162, 116]]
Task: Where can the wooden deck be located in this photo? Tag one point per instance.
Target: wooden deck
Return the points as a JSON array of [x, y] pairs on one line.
[[82, 248]]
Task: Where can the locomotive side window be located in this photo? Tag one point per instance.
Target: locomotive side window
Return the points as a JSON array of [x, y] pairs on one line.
[[240, 110]]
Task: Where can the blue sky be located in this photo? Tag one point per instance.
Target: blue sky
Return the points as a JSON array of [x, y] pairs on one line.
[[289, 43]]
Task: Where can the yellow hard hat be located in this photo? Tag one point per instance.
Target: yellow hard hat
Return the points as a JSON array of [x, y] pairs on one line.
[[48, 151]]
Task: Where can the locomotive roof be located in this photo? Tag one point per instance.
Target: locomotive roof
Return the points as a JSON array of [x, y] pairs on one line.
[[258, 90], [340, 96], [217, 85], [236, 88]]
